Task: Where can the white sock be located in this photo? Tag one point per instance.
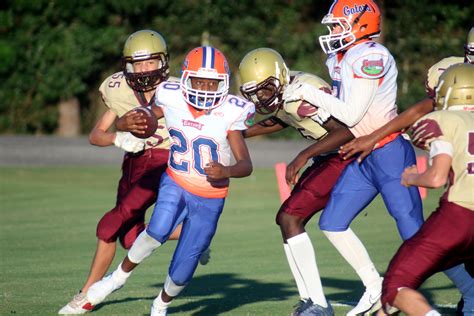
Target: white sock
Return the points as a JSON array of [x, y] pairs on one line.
[[433, 313], [121, 275], [143, 247], [305, 260], [296, 273], [352, 249], [159, 304]]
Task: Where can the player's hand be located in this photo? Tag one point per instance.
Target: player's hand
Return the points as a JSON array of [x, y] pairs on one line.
[[408, 174], [216, 171], [293, 93], [361, 145], [132, 121], [293, 168], [128, 142]]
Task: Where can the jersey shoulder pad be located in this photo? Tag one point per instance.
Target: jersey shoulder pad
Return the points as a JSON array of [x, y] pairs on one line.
[[369, 60], [115, 89], [432, 126], [241, 111], [437, 70], [167, 92]]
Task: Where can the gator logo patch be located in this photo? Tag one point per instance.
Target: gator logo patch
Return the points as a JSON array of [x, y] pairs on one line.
[[249, 121], [372, 67]]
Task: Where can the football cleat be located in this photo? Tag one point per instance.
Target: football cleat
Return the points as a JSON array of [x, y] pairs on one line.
[[205, 257], [309, 308], [369, 303], [300, 306], [77, 306], [103, 288]]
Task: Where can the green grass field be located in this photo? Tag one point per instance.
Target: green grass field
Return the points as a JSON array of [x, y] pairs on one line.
[[48, 218]]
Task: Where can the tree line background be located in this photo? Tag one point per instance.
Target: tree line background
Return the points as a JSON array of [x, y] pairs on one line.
[[55, 54]]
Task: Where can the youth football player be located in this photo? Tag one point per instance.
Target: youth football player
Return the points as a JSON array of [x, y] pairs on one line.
[[205, 124], [446, 238], [265, 76], [364, 90], [365, 144], [145, 65]]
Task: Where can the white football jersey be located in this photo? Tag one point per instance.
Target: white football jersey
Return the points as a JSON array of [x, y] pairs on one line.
[[199, 137], [368, 60]]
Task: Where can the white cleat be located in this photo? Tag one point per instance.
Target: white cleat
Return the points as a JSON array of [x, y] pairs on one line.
[[205, 257], [368, 304], [77, 306], [103, 288], [157, 310]]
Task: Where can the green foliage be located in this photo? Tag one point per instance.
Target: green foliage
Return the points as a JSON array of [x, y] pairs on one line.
[[53, 50], [419, 34]]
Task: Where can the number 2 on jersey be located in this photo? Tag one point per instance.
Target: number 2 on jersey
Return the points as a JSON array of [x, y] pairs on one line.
[[198, 146]]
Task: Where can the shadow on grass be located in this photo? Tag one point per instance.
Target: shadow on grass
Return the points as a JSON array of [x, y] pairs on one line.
[[220, 293]]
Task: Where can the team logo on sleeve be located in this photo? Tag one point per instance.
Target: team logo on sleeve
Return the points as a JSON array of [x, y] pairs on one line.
[[372, 67], [424, 132], [250, 119]]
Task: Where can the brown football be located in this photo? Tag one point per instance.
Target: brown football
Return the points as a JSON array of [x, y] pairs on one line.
[[151, 122]]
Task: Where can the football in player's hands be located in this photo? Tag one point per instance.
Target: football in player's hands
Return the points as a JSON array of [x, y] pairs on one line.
[[150, 121], [306, 109]]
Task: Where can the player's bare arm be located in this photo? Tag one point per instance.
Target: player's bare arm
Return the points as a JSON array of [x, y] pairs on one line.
[[337, 134], [434, 177], [265, 126], [365, 144], [99, 135], [243, 166]]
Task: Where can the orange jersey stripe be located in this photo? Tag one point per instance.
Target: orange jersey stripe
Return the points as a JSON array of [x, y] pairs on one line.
[[210, 192], [384, 141]]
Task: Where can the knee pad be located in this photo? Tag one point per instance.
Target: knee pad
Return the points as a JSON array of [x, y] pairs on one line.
[[142, 247], [171, 288]]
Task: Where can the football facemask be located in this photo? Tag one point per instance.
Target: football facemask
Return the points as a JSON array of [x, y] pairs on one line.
[[267, 95]]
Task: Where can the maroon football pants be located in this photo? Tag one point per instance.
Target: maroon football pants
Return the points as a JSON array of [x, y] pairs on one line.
[[445, 240], [311, 192], [137, 191]]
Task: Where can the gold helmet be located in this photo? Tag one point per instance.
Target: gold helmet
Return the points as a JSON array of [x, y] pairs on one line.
[[455, 90], [144, 45], [263, 74], [469, 47]]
